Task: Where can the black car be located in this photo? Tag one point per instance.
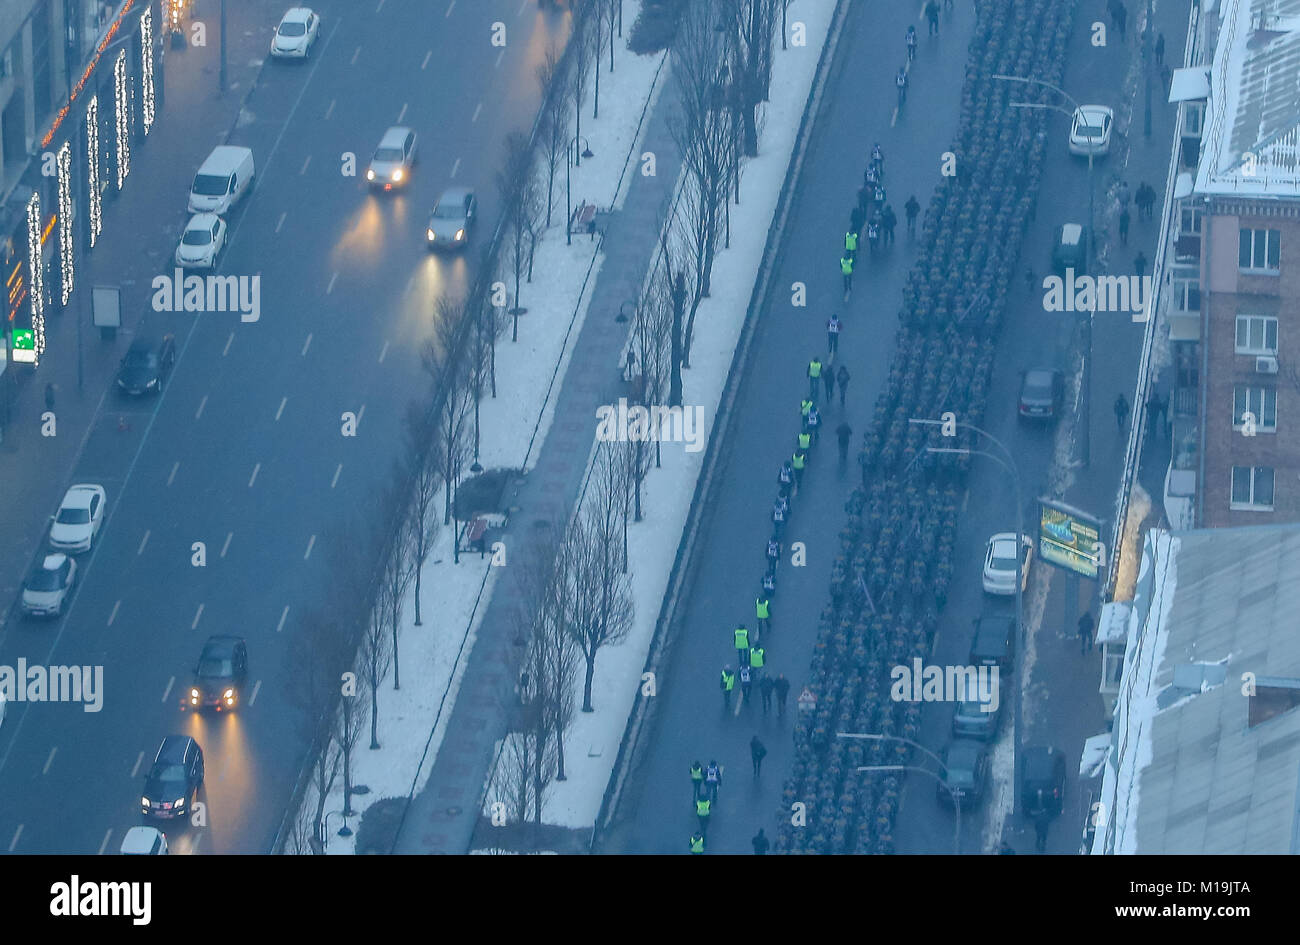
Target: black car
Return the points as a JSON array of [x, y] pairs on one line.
[[965, 772], [1042, 781], [1041, 392], [174, 779], [994, 643], [219, 676], [1070, 249], [147, 365]]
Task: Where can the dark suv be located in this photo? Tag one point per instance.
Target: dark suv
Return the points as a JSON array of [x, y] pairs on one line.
[[146, 366], [219, 676], [1042, 782], [174, 779], [994, 643]]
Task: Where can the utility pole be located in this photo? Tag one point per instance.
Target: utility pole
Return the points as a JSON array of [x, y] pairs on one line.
[[221, 81]]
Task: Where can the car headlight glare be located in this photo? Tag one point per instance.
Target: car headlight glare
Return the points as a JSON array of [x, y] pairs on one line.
[[144, 802], [460, 234], [370, 174], [229, 694], [179, 802], [430, 235], [397, 174], [194, 693]]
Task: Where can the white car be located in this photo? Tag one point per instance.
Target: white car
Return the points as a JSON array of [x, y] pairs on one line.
[[1090, 130], [1000, 563], [144, 841], [3, 705], [296, 34], [80, 514], [47, 589], [202, 242]]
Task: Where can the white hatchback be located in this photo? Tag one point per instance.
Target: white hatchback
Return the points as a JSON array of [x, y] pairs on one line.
[[77, 522], [202, 242], [1000, 563], [47, 589], [296, 34]]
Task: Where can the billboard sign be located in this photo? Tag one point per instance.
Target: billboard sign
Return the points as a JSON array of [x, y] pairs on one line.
[[1069, 538]]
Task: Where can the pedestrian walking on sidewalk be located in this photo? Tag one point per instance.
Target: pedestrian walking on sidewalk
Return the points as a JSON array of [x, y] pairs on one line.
[[1155, 414], [757, 752], [1085, 633], [828, 382], [630, 368], [697, 778], [712, 780], [932, 17], [797, 462], [888, 220], [1123, 224], [1121, 411], [1145, 200], [1119, 17], [727, 684], [1160, 49], [1123, 195], [833, 335], [1140, 264], [843, 433], [782, 686], [765, 686], [842, 379], [760, 843], [814, 375]]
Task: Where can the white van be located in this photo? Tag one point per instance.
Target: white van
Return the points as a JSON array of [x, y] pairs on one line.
[[222, 180], [144, 841]]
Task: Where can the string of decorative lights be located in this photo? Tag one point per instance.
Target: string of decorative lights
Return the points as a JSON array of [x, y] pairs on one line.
[[64, 161], [146, 69], [94, 198], [122, 118], [37, 269]]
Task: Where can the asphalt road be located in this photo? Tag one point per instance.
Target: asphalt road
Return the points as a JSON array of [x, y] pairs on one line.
[[244, 451]]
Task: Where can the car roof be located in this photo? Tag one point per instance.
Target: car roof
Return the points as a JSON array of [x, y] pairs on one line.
[[454, 195], [54, 562], [221, 645], [173, 749], [202, 221], [1040, 761], [78, 496], [394, 136], [1094, 112], [140, 839], [963, 750], [1004, 544], [1041, 375], [1071, 232], [296, 14]]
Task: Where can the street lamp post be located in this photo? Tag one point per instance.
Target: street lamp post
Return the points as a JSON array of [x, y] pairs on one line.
[[571, 157], [221, 80], [876, 737]]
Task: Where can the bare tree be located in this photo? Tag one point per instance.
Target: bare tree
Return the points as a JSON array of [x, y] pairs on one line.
[[313, 689], [653, 342], [609, 492], [519, 198], [554, 131], [348, 721], [423, 467], [580, 58], [675, 262], [374, 656], [451, 398], [750, 33], [395, 570]]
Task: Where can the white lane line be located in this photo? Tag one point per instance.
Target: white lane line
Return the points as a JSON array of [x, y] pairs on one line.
[[253, 478], [283, 401], [335, 481], [380, 7], [226, 349], [202, 403], [361, 413], [226, 546], [311, 543], [197, 615], [257, 687], [143, 541], [17, 833], [477, 108], [522, 7], [330, 288], [304, 168], [383, 353], [104, 845], [283, 614], [50, 760], [306, 344], [113, 616], [329, 111], [168, 691], [402, 113], [138, 761], [354, 56], [455, 167], [280, 222], [450, 8], [427, 57], [172, 475], [501, 55]]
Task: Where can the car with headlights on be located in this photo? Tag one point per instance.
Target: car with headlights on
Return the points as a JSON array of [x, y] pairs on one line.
[[392, 161], [202, 242], [452, 219], [296, 34], [219, 675], [174, 778], [1000, 563], [146, 366], [46, 590], [77, 522]]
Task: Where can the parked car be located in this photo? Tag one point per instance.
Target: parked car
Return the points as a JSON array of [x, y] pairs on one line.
[[994, 643], [4, 704], [144, 841], [1041, 393], [1070, 249], [969, 720], [219, 675], [393, 159], [77, 522], [201, 242], [296, 34], [47, 588], [174, 778], [965, 773], [452, 219], [1000, 563], [224, 177], [1090, 130], [1042, 781], [146, 365]]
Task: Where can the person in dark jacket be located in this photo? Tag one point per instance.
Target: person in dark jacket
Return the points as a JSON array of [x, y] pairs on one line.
[[765, 687], [888, 220], [842, 435], [760, 843], [757, 752], [842, 379], [911, 210], [782, 691], [1085, 632]]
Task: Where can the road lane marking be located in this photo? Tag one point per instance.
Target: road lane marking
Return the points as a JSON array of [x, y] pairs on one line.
[[202, 403], [172, 475], [380, 7], [330, 288], [283, 614], [226, 349], [138, 761], [329, 111], [143, 541], [383, 353], [253, 478], [168, 691], [50, 760], [500, 56], [360, 413], [450, 8], [257, 687], [455, 167], [197, 614], [283, 401], [335, 481], [354, 56], [306, 344], [427, 57], [402, 113], [113, 615], [104, 845], [226, 546], [280, 222], [14, 842], [310, 544], [522, 7], [304, 168], [477, 108]]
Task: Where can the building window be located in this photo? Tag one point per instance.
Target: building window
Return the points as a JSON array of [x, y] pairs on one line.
[[1186, 293], [1252, 488], [1193, 116], [1260, 403], [1189, 220], [1259, 250], [1256, 334]]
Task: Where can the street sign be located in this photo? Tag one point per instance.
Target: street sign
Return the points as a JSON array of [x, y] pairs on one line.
[[24, 346], [1069, 538]]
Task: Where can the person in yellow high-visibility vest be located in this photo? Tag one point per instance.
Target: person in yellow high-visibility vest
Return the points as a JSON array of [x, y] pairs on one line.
[[703, 808], [728, 683], [797, 462], [846, 270], [697, 843], [741, 640], [814, 377], [763, 609]]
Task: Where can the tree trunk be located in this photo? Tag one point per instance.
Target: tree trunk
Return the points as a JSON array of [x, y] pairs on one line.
[[750, 121], [636, 490], [374, 715], [397, 663], [421, 553], [559, 749], [590, 657]]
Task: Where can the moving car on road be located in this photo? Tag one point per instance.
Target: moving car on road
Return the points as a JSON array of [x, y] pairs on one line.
[[77, 522], [391, 165], [1070, 249], [1090, 130], [47, 589], [220, 674], [452, 219], [224, 177], [146, 365], [174, 779], [1000, 563], [144, 841], [296, 34], [1041, 393], [202, 242], [965, 772]]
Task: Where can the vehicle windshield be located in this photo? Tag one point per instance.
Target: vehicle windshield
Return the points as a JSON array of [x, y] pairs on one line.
[[1039, 388], [43, 579], [169, 773], [140, 358], [215, 669], [73, 516], [210, 185], [451, 210], [1089, 131], [1003, 564], [388, 155], [293, 29], [960, 777], [197, 237]]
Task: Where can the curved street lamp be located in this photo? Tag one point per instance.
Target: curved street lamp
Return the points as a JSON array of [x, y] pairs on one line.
[[956, 804]]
